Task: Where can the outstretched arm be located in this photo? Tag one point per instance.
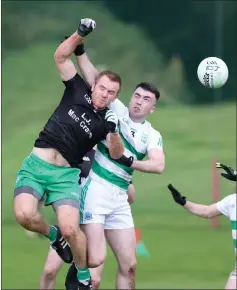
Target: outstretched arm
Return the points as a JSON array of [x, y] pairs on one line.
[[205, 211], [87, 69], [63, 53], [154, 164]]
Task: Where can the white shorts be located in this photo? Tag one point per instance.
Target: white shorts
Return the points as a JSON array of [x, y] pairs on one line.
[[104, 203]]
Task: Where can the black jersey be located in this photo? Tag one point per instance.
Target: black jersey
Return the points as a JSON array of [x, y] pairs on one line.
[[75, 127]]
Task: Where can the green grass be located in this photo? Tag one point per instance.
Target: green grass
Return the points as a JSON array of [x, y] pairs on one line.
[[184, 252]]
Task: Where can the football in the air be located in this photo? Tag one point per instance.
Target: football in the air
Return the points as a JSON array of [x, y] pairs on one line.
[[212, 72]]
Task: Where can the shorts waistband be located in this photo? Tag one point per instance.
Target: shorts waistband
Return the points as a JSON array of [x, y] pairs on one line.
[[46, 164]]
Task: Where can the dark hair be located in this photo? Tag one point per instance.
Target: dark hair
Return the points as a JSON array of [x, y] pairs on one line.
[[150, 88], [114, 77]]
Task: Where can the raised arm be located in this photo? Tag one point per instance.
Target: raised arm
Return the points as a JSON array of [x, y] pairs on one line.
[[115, 145], [115, 142], [205, 211], [63, 53], [87, 69]]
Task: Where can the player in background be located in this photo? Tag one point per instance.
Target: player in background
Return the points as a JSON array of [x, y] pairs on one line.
[[226, 206], [80, 121], [53, 262], [106, 214]]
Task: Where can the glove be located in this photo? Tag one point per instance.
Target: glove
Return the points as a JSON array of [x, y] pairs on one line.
[[126, 161], [86, 26], [178, 198], [230, 174], [112, 121], [79, 49]]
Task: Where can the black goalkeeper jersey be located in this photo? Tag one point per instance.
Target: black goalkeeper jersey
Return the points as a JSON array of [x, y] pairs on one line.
[[75, 127]]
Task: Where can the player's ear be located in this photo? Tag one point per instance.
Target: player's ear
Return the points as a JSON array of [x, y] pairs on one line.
[[152, 109]]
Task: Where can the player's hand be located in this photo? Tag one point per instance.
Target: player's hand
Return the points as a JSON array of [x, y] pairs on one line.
[[178, 198], [230, 174], [126, 161], [86, 26], [112, 121]]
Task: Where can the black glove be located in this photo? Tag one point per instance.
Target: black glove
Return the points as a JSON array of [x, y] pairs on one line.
[[126, 161], [80, 50], [178, 198], [230, 174], [86, 26]]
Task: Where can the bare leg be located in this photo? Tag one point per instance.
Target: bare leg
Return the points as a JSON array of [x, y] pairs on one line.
[[51, 268], [123, 244], [27, 214], [68, 220], [96, 244], [96, 275], [31, 234], [232, 281]]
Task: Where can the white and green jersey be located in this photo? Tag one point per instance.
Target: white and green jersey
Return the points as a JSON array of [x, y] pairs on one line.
[[138, 139], [227, 207]]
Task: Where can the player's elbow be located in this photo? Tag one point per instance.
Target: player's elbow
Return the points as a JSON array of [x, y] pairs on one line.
[[116, 153], [59, 57], [159, 168]]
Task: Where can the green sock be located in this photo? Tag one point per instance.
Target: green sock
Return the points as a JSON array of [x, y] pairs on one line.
[[83, 274], [52, 235]]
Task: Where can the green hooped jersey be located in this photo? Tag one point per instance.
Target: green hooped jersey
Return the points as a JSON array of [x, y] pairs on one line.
[[227, 207], [138, 139]]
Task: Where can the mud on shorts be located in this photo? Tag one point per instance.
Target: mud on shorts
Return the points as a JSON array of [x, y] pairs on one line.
[[104, 203], [59, 184]]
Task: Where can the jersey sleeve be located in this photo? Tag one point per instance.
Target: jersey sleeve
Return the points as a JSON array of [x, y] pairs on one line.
[[76, 83], [155, 140], [118, 107], [224, 205]]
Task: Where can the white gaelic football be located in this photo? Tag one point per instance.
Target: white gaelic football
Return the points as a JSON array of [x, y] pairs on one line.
[[212, 72]]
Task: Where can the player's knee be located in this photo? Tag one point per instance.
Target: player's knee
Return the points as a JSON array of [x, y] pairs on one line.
[[69, 232], [133, 266], [24, 216], [128, 266], [50, 273], [94, 262]]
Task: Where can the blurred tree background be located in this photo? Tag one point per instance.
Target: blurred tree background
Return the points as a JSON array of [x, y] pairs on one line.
[[159, 43]]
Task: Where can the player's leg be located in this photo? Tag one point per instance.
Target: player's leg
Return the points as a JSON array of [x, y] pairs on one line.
[[28, 192], [26, 212], [68, 216], [96, 253], [232, 281], [51, 268], [96, 275], [120, 234], [92, 225], [32, 234]]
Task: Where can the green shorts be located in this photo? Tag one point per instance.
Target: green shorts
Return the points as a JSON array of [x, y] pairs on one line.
[[57, 183]]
